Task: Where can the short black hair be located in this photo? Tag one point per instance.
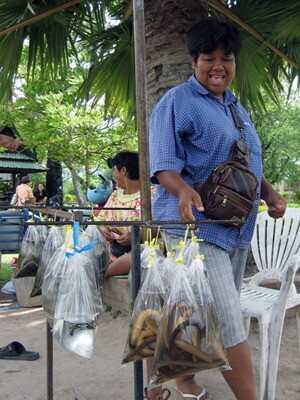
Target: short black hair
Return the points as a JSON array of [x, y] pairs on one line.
[[206, 35], [25, 179], [127, 159]]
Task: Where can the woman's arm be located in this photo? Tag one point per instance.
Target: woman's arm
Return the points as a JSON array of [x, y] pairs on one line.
[[276, 203], [187, 197]]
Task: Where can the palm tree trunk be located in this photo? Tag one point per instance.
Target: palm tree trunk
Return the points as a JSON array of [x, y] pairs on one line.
[[166, 25]]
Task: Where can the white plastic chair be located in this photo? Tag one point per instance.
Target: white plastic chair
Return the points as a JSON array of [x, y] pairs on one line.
[[276, 250]]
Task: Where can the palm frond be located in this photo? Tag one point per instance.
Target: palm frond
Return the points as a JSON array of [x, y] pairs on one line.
[[50, 40], [259, 68], [112, 75]]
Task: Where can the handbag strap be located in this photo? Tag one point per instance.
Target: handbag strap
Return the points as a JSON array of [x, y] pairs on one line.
[[237, 120]]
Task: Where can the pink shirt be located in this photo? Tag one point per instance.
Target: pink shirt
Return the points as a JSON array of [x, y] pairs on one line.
[[24, 193]]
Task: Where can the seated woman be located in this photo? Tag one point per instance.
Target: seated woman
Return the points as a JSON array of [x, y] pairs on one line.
[[40, 194], [125, 166]]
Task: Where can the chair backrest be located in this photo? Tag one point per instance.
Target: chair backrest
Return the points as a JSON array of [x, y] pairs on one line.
[[275, 241]]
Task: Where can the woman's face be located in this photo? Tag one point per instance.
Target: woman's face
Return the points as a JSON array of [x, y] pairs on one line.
[[40, 186], [215, 71], [119, 177]]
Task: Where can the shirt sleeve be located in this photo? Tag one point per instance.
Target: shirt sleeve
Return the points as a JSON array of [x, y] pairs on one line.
[[165, 144], [107, 215]]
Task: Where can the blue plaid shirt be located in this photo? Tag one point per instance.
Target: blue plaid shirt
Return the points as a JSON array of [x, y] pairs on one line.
[[191, 132]]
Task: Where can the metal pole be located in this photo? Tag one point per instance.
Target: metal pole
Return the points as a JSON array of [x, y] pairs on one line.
[[49, 362], [136, 281], [141, 107]]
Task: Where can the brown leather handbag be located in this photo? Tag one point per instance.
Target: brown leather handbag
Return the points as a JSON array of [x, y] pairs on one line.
[[231, 188]]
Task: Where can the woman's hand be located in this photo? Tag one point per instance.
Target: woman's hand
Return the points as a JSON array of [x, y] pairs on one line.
[[187, 196], [276, 203], [124, 238], [106, 233]]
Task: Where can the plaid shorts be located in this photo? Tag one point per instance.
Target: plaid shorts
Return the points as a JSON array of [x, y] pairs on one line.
[[225, 271]]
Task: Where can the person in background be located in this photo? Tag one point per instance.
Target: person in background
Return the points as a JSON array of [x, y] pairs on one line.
[[24, 192], [24, 196], [40, 194], [10, 143], [125, 165], [192, 130]]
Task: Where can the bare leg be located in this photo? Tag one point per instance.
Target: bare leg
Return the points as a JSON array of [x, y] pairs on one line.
[[187, 384], [240, 378], [120, 266]]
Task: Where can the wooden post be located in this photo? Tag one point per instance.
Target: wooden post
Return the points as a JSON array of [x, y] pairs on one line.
[[141, 107]]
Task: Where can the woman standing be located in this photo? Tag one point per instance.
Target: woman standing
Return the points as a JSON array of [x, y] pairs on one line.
[[192, 131]]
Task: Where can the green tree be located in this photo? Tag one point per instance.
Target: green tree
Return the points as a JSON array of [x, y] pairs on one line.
[[279, 134], [76, 135], [105, 29]]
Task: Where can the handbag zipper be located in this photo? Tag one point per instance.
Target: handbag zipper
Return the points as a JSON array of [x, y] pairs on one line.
[[216, 189]]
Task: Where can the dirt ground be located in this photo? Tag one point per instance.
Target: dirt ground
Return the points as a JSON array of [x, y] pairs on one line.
[[103, 377]]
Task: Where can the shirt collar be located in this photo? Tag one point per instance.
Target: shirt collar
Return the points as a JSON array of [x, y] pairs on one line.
[[229, 97]]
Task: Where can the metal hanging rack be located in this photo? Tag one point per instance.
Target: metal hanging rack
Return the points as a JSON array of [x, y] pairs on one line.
[[136, 227]]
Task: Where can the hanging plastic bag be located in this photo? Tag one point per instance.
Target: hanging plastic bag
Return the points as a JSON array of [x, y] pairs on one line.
[[196, 273], [149, 254], [77, 307], [78, 302], [30, 252], [9, 288], [100, 252], [43, 232], [169, 267], [54, 275], [145, 317], [53, 242], [183, 344]]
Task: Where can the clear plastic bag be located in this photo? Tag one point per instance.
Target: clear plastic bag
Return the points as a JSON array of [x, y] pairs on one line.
[[70, 295], [53, 242], [77, 338], [77, 307], [53, 277], [100, 252], [184, 345], [32, 243], [145, 317], [9, 288], [77, 291], [150, 253], [30, 252], [43, 232]]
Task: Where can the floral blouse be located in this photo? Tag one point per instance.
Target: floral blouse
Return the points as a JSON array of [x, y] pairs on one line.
[[120, 200]]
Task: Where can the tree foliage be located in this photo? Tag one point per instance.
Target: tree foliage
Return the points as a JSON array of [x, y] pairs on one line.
[[105, 30], [49, 119], [78, 85], [279, 134]]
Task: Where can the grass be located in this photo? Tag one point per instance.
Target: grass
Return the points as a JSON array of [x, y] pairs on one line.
[[5, 269], [289, 205], [293, 205]]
